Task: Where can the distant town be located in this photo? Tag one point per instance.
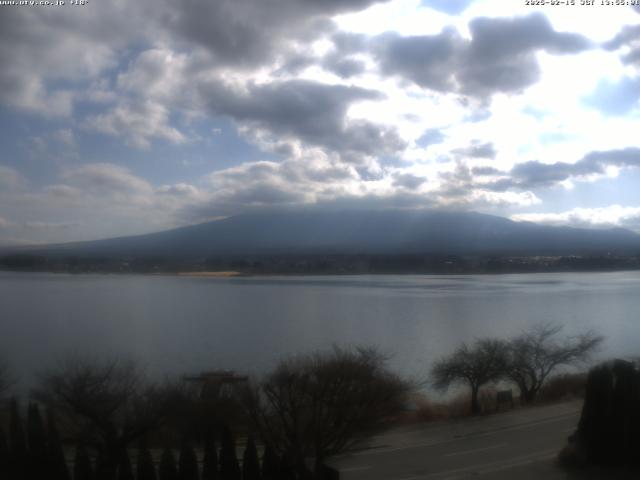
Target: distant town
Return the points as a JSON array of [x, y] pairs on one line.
[[322, 264]]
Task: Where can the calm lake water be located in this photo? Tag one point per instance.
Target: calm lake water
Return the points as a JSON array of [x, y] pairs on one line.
[[184, 325]]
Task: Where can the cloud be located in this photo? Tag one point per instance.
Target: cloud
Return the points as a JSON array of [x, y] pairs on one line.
[[249, 187], [157, 73], [477, 150], [50, 225], [280, 116], [247, 33], [314, 182], [500, 57], [57, 146], [430, 61], [349, 43], [86, 43], [62, 191], [603, 217], [179, 189], [535, 174], [459, 188], [465, 185], [486, 171], [377, 201], [243, 34], [342, 66], [11, 179], [97, 200], [139, 122], [627, 39], [408, 181], [311, 112], [106, 178]]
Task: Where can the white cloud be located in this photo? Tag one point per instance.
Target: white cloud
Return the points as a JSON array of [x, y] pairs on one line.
[[603, 217], [139, 122], [107, 177], [179, 189]]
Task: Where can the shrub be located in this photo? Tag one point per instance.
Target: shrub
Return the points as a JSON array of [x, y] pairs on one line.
[[335, 399], [563, 387]]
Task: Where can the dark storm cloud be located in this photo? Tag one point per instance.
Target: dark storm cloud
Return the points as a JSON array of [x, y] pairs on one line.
[[499, 58], [309, 111]]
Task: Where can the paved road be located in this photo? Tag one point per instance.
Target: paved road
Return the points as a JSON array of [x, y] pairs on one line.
[[521, 444]]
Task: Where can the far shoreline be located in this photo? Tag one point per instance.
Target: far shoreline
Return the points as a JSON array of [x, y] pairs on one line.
[[212, 274], [230, 274]]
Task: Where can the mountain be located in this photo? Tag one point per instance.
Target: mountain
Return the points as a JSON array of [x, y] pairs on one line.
[[357, 232]]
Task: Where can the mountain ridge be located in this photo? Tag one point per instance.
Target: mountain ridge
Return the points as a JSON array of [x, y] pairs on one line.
[[355, 232]]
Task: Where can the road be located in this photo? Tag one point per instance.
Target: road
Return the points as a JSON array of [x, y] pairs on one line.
[[521, 444]]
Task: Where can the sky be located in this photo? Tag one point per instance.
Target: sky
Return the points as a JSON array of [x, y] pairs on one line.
[[121, 117]]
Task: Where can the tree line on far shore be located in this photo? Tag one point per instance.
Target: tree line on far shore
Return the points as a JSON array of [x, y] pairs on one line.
[[116, 424]]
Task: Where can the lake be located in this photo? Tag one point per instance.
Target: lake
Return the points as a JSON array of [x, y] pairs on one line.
[[186, 324]]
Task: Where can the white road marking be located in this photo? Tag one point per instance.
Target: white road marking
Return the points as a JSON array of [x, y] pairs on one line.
[[466, 452]]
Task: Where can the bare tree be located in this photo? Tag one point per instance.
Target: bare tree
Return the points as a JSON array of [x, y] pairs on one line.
[[322, 404], [107, 403], [475, 365], [535, 354]]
